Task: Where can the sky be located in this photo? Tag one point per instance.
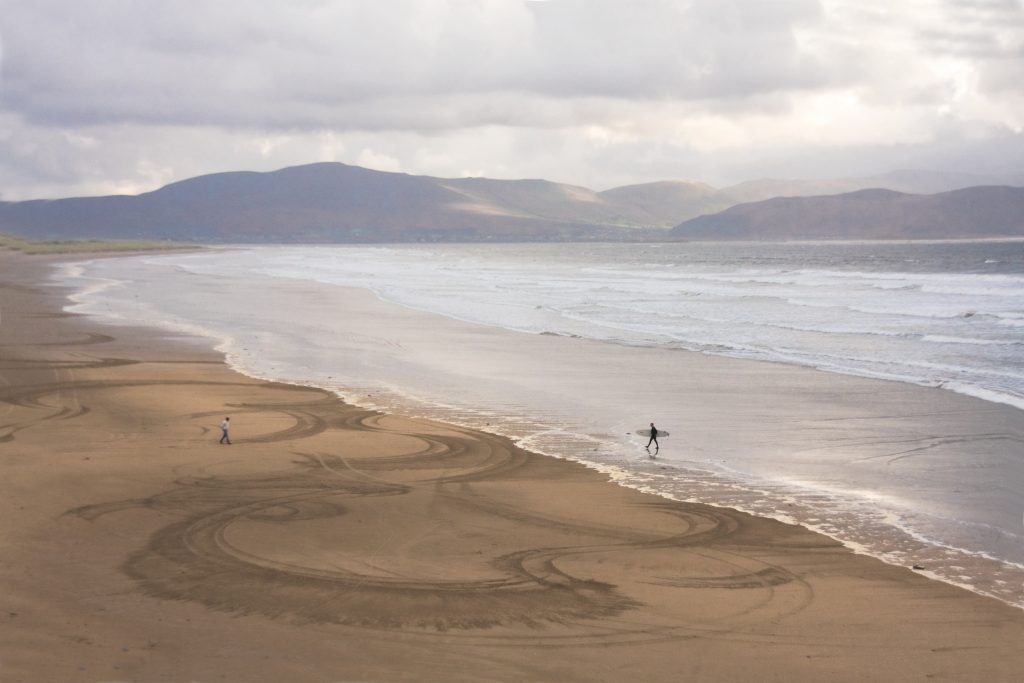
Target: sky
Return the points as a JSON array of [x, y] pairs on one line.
[[124, 96]]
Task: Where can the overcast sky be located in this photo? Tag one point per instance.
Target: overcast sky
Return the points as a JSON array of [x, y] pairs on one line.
[[123, 96]]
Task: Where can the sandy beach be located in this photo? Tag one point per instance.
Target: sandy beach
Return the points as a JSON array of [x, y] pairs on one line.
[[331, 543]]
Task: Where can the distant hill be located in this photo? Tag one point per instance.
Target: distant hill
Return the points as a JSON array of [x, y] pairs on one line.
[[327, 202], [975, 212], [657, 203], [910, 182], [336, 203]]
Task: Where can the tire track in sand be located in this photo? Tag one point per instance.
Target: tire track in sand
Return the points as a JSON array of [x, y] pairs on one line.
[[200, 558]]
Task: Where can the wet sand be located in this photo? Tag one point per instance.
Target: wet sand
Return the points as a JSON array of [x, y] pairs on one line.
[[331, 543]]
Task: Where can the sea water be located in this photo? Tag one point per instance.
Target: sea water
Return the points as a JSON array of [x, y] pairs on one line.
[[588, 354]]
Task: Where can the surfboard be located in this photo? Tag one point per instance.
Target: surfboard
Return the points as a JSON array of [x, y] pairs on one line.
[[647, 432]]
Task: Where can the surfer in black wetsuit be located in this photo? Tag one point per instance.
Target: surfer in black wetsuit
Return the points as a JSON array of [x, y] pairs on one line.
[[654, 439]]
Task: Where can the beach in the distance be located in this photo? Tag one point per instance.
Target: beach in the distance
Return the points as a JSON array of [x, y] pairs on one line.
[[331, 542]]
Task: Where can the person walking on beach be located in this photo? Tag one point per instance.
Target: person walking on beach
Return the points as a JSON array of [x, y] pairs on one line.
[[224, 427], [653, 439]]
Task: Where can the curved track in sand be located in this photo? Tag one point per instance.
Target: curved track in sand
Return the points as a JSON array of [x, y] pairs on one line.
[[212, 554]]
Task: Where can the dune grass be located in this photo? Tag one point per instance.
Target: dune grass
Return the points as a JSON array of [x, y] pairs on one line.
[[83, 246]]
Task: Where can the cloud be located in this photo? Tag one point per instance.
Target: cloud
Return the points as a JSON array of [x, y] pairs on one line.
[[326, 64], [109, 94]]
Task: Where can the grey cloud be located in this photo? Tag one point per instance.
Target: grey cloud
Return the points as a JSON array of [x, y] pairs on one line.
[[324, 64], [978, 29], [988, 33], [671, 49]]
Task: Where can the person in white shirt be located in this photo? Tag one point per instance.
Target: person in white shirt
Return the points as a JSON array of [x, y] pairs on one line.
[[224, 427]]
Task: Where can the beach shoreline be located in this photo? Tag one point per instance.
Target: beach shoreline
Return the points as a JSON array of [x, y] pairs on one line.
[[336, 543], [900, 471]]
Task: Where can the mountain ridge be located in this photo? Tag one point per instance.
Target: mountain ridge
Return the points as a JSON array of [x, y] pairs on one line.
[[330, 202], [875, 213]]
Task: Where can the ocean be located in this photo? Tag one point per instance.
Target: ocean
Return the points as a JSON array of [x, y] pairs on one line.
[[871, 391]]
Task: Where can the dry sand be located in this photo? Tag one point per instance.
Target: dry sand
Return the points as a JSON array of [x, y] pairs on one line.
[[329, 543]]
